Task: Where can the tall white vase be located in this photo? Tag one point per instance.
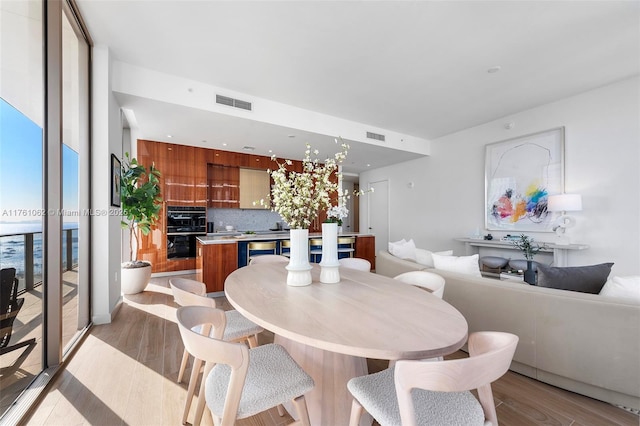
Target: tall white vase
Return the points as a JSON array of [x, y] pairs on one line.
[[299, 267], [330, 267]]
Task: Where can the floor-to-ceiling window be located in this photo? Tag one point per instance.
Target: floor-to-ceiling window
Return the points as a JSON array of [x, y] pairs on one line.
[[44, 181]]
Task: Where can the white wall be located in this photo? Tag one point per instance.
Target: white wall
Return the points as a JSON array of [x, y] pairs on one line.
[[105, 229], [602, 159]]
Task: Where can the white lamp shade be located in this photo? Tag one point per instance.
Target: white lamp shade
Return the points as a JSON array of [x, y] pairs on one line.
[[564, 203]]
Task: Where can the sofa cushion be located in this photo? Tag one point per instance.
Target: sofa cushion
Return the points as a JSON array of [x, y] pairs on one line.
[[623, 287], [424, 257], [462, 264], [585, 279], [403, 249]]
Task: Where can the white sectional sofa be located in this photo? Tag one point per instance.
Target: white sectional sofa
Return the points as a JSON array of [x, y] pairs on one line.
[[585, 343]]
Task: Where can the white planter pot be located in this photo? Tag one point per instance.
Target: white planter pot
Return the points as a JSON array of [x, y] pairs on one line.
[[330, 267], [134, 280], [299, 267]]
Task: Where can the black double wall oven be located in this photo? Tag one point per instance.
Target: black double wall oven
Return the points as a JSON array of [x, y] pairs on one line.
[[184, 224]]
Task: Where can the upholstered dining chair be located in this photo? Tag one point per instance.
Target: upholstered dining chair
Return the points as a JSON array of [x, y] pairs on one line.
[[188, 292], [428, 280], [355, 263], [241, 382], [437, 393], [268, 258]]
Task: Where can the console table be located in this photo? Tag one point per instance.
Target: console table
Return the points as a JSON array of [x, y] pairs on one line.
[[560, 252]]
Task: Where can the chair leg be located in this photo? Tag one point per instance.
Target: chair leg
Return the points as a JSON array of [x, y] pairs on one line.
[[253, 341], [356, 413], [183, 365], [193, 380], [301, 408], [280, 410]]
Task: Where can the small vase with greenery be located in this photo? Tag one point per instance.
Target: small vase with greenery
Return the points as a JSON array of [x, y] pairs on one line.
[[529, 249], [141, 204]]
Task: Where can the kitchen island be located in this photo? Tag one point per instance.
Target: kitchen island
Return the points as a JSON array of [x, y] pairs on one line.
[[219, 254]]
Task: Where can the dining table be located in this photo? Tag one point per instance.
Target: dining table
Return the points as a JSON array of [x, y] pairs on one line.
[[331, 329]]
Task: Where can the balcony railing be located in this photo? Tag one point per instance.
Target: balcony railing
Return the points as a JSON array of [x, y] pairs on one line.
[[28, 270]]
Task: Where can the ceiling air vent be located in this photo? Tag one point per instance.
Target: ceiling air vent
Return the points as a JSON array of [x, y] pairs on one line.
[[237, 103], [248, 148], [371, 135]]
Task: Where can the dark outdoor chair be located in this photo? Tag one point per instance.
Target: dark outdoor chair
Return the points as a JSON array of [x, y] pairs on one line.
[[9, 307]]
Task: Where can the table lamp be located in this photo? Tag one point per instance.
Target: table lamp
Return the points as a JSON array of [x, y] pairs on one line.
[[564, 203]]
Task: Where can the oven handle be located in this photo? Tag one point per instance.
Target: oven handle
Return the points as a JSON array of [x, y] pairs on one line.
[[186, 233]]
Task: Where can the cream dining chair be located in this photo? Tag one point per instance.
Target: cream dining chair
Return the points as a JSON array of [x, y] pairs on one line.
[[428, 280], [268, 258], [437, 393], [355, 263], [241, 382], [188, 292]]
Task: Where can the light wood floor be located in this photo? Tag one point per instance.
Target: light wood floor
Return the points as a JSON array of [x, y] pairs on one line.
[[125, 374]]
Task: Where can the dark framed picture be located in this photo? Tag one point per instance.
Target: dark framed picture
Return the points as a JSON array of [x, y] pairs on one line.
[[116, 171]]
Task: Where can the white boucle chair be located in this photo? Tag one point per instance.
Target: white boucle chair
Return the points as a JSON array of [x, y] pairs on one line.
[[440, 389], [241, 382], [268, 258], [428, 280], [355, 263], [188, 292]]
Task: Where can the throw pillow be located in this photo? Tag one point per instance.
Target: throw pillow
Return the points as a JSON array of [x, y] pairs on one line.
[[424, 257], [393, 245], [406, 250], [585, 279], [623, 287], [462, 264]]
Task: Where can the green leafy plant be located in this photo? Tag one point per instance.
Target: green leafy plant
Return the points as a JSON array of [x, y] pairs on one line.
[[527, 246], [141, 203]]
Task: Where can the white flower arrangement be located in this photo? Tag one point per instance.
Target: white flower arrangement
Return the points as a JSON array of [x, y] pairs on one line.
[[338, 213], [298, 197]]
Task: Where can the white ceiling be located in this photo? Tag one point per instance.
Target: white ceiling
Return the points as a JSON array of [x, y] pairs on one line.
[[415, 67]]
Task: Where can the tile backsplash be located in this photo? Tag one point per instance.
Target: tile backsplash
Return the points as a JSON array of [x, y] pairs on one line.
[[243, 219]]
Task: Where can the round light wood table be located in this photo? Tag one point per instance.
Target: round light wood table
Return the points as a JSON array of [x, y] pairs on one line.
[[330, 329]]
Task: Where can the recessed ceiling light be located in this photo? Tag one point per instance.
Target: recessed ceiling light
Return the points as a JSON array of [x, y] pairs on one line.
[[270, 151], [291, 136], [368, 165], [169, 136], [224, 144], [204, 141], [494, 69]]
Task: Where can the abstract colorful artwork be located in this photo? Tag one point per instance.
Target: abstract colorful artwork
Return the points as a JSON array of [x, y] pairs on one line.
[[520, 174]]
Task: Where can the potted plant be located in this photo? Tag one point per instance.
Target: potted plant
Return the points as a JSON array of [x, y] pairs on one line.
[[141, 205], [529, 249]]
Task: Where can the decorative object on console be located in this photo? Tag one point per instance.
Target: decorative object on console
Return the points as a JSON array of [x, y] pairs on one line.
[[298, 197], [564, 203], [529, 249], [585, 279], [329, 265], [519, 175]]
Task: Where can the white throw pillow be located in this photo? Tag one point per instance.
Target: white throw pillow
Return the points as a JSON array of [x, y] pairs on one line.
[[394, 245], [424, 257], [406, 250], [462, 264], [624, 287]]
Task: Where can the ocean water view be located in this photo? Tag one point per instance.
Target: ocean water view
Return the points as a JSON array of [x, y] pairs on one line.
[[12, 245]]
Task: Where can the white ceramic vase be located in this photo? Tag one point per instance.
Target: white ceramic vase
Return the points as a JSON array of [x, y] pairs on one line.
[[299, 268], [329, 265]]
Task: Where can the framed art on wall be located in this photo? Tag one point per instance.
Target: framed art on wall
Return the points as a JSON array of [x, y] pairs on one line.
[[116, 171], [520, 174]]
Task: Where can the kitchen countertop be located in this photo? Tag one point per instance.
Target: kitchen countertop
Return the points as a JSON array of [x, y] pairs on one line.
[[234, 237]]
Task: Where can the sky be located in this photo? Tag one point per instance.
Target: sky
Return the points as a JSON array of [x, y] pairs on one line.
[[21, 168]]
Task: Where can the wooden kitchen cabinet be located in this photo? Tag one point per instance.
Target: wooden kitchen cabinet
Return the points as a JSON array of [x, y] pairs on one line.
[[214, 263], [366, 249], [200, 177], [224, 186], [254, 186]]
